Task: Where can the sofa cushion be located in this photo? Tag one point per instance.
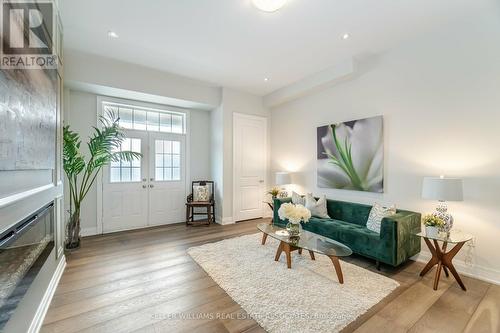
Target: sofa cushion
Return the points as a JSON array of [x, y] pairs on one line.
[[348, 211], [317, 207], [298, 199], [322, 227], [377, 213], [358, 238]]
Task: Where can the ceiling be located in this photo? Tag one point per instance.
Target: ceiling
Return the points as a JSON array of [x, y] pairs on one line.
[[231, 43]]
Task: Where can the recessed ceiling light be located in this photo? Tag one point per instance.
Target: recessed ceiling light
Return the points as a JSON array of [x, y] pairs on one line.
[[346, 36], [112, 34], [269, 5], [266, 79]]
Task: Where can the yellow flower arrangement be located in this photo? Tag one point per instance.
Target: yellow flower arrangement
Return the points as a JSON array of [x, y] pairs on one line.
[[432, 220], [274, 192]]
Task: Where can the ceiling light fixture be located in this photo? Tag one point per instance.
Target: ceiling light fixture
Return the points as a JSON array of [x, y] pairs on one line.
[[112, 34], [346, 36], [269, 5]]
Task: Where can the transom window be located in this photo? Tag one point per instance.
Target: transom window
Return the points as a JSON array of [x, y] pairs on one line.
[[146, 119], [121, 171], [167, 160]]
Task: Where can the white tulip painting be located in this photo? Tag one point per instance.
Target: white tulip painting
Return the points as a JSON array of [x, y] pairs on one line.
[[351, 155]]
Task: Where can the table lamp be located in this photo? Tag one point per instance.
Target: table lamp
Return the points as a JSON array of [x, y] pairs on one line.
[[283, 178], [443, 189]]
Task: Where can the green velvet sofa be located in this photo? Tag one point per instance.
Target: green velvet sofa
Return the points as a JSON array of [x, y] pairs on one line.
[[393, 246]]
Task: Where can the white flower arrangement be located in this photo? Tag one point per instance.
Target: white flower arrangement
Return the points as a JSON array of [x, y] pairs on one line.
[[294, 213]]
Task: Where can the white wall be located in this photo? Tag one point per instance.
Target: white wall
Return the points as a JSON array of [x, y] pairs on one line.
[[217, 160], [110, 76], [200, 134], [439, 95], [81, 115]]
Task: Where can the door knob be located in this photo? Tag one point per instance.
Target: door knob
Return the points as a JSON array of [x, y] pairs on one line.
[[151, 179], [144, 186], [151, 186], [144, 179]]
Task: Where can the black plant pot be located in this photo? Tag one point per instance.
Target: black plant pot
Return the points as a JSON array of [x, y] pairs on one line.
[[73, 246]]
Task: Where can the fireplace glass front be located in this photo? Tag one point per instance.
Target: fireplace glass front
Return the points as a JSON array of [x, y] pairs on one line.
[[24, 248]]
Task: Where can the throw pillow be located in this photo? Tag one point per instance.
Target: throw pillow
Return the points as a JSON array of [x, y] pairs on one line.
[[317, 208], [201, 193], [297, 199], [377, 213]]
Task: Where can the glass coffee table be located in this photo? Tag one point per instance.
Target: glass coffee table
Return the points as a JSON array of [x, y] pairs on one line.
[[309, 241], [440, 257]]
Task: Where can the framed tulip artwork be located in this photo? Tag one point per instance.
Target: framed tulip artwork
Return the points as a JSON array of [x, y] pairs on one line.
[[351, 155]]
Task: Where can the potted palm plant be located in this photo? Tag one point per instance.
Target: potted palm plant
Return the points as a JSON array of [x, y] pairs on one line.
[[104, 147]]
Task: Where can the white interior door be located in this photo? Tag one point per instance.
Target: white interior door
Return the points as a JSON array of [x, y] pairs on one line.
[[250, 164], [167, 182], [125, 194]]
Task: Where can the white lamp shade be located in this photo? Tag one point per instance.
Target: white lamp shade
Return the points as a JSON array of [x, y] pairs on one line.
[[442, 189], [283, 178]]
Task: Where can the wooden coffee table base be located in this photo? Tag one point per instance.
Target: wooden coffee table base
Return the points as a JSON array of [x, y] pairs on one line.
[[444, 261], [264, 237], [288, 249]]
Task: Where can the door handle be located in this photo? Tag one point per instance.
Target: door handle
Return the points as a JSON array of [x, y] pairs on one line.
[[144, 179], [144, 186], [151, 186], [261, 181], [151, 179]]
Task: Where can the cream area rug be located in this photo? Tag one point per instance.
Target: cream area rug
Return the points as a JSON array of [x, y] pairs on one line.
[[305, 298]]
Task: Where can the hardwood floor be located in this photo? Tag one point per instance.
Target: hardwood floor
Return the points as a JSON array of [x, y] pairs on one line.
[[143, 281]]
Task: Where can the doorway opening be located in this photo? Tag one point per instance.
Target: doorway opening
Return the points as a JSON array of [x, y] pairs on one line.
[[150, 190]]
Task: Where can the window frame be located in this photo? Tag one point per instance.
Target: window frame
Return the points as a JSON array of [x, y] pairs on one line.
[[170, 111], [102, 101], [171, 154], [130, 167]]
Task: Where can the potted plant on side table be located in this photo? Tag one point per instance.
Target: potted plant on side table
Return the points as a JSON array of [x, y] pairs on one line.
[[274, 192], [103, 147], [433, 225]]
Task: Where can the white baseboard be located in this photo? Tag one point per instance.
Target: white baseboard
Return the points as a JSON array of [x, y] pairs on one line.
[[224, 221], [479, 272], [88, 231], [37, 322]]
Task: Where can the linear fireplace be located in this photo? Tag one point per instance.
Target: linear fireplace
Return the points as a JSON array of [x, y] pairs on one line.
[[24, 248]]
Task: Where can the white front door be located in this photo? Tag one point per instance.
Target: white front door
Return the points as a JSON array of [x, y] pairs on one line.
[[125, 194], [167, 182], [250, 164], [150, 191]]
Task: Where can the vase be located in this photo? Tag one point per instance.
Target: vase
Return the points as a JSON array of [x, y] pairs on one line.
[[73, 238], [442, 213], [293, 229], [431, 231]]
